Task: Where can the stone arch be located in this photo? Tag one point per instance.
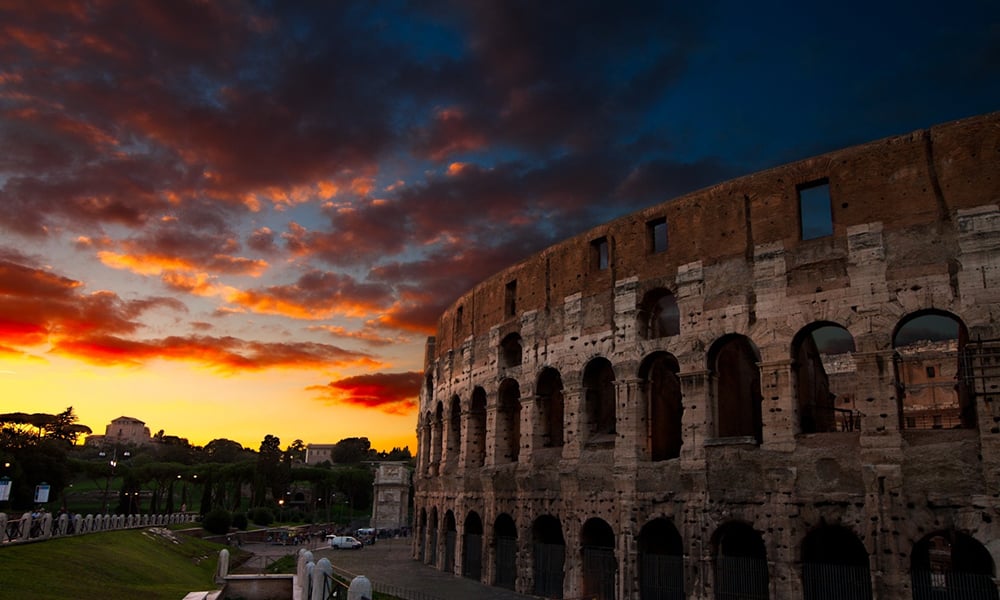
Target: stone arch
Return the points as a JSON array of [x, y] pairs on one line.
[[450, 541], [429, 388], [657, 315], [511, 351], [930, 379], [735, 376], [472, 546], [599, 400], [551, 406], [950, 564], [835, 564], [740, 562], [427, 431], [661, 561], [454, 436], [508, 433], [825, 378], [548, 556], [664, 408], [505, 552], [477, 429], [597, 552]]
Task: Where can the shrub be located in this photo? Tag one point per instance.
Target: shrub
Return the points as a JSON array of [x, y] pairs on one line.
[[217, 521], [262, 516], [240, 521]]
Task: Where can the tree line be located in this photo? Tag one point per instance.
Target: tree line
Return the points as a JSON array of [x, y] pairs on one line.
[[171, 474]]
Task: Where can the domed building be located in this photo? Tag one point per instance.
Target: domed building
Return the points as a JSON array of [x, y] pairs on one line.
[[778, 387]]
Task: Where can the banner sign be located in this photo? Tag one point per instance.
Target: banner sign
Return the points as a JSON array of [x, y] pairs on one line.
[[41, 493], [5, 484]]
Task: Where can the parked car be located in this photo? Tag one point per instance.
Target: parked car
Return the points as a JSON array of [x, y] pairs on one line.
[[344, 541]]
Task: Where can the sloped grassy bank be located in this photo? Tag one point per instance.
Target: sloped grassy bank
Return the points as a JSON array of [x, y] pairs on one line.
[[146, 564]]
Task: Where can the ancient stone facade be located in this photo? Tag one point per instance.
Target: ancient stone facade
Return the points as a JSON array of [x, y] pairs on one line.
[[782, 386], [391, 498]]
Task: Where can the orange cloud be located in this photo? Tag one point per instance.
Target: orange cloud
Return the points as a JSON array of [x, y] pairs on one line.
[[394, 393]]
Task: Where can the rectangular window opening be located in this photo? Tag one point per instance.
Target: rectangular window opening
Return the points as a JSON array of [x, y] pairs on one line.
[[815, 210], [657, 232], [510, 299], [599, 254], [930, 372], [458, 322]]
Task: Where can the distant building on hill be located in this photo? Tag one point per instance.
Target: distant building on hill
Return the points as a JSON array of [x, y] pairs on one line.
[[123, 430], [319, 453]]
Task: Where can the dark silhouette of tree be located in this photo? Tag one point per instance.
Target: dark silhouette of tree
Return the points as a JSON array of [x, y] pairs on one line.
[[352, 450]]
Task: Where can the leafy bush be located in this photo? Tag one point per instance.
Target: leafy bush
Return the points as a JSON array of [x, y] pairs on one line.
[[217, 521], [240, 521], [262, 516]]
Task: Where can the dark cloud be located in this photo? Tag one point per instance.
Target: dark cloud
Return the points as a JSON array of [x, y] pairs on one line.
[[394, 393]]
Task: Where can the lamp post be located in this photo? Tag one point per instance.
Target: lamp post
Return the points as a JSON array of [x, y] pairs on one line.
[[111, 472], [281, 510]]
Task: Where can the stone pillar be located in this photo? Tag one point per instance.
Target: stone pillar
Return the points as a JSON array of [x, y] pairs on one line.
[[223, 569], [305, 557], [695, 388], [531, 438], [361, 589], [320, 573], [778, 410], [631, 423], [574, 423]]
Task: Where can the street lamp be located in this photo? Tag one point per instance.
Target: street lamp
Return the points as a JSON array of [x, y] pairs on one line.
[[111, 472], [281, 510]]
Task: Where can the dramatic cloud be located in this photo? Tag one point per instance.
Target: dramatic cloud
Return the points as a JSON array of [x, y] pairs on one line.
[[388, 392]]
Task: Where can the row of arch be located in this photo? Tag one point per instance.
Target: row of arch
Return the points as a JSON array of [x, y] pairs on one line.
[[833, 562], [928, 372]]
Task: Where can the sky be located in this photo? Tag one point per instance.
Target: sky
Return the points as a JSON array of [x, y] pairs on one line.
[[235, 219]]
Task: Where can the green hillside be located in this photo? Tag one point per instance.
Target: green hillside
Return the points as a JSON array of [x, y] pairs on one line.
[[126, 565]]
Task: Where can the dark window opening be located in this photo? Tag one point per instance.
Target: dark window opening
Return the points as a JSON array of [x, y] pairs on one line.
[[599, 388], [599, 257], [510, 299], [835, 565], [930, 372], [551, 405], [740, 563], [477, 429], [509, 422], [815, 211], [657, 232], [664, 406], [825, 379], [458, 321], [511, 351], [951, 564], [658, 315], [737, 388]]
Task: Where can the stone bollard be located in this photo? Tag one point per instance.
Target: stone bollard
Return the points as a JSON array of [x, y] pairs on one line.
[[320, 574], [3, 527], [223, 570], [361, 589], [308, 582], [62, 525], [46, 525], [88, 524], [24, 527], [77, 523], [305, 557]]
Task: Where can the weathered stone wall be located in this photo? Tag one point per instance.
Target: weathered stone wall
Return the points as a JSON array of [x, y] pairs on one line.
[[915, 231]]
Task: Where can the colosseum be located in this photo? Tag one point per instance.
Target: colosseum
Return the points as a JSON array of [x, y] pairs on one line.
[[778, 387]]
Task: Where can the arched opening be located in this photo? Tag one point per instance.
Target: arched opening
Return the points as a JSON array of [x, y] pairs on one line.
[[600, 568], [477, 429], [929, 375], [661, 562], [454, 432], [508, 438], [950, 565], [505, 557], [835, 564], [551, 406], [472, 546], [825, 379], [429, 388], [432, 537], [510, 351], [599, 390], [733, 361], [450, 541], [658, 315], [740, 561], [663, 404], [549, 556]]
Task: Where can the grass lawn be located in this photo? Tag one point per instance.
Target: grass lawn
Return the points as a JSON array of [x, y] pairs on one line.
[[108, 566]]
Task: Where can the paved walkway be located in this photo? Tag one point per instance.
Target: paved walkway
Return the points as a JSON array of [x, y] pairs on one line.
[[389, 567]]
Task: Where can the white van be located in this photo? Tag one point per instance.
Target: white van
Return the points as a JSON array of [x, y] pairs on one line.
[[344, 541]]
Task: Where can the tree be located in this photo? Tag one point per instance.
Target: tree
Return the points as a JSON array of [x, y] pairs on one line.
[[63, 426], [296, 452], [352, 450], [270, 472], [223, 451]]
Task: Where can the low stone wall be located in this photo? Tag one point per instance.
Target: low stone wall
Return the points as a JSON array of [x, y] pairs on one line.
[[44, 525]]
